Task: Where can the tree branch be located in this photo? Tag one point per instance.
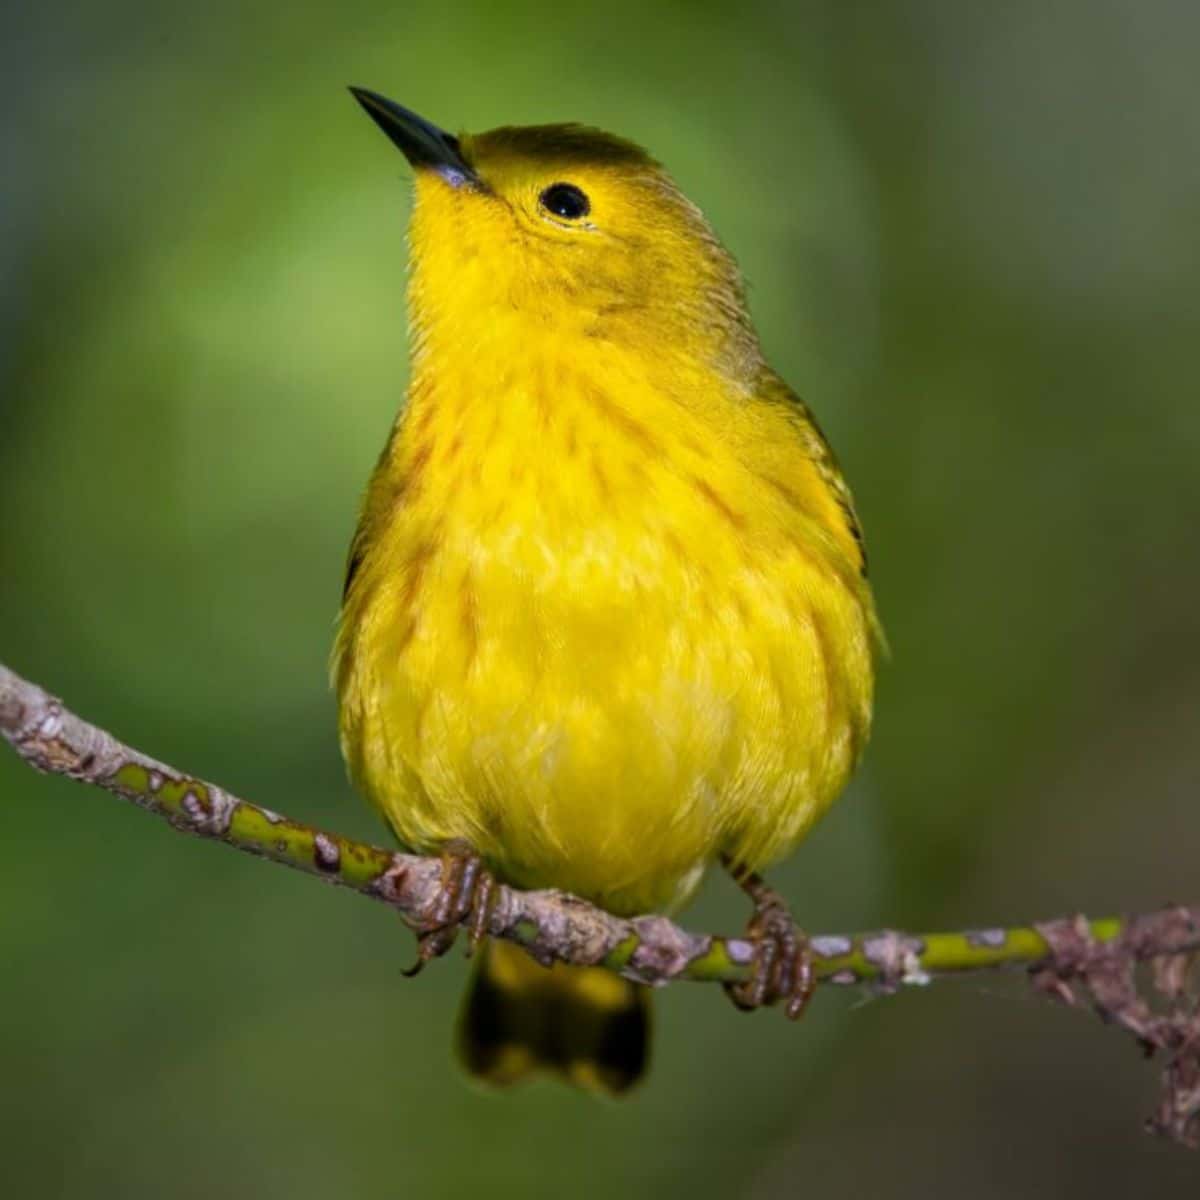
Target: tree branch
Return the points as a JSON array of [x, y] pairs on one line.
[[1096, 956]]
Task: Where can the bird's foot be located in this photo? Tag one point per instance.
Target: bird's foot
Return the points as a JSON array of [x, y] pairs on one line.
[[465, 895], [783, 966]]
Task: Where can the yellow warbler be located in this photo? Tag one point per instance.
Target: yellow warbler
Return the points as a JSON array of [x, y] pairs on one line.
[[606, 618]]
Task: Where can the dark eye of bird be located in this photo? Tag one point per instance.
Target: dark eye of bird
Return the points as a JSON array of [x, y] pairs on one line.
[[565, 200]]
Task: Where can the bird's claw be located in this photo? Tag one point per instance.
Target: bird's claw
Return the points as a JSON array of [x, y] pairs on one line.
[[466, 894], [783, 965]]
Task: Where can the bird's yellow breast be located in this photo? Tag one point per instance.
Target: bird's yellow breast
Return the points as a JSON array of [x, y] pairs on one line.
[[604, 622]]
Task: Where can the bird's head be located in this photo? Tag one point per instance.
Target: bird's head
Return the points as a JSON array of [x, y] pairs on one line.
[[567, 227]]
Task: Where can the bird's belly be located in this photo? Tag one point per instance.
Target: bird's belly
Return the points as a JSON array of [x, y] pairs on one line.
[[605, 714]]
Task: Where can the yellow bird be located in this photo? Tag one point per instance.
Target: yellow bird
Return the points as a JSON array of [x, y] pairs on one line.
[[606, 617]]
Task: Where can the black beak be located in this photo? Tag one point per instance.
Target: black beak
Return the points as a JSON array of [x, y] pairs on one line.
[[424, 145]]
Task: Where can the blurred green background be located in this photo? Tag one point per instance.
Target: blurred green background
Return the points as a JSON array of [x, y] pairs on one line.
[[972, 234]]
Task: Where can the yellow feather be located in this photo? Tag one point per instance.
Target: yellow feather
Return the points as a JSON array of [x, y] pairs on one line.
[[607, 615]]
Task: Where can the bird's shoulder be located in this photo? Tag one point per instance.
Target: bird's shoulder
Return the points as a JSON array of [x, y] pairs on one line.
[[813, 456]]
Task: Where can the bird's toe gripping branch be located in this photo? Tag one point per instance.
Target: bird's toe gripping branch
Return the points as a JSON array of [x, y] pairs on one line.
[[783, 964], [465, 896]]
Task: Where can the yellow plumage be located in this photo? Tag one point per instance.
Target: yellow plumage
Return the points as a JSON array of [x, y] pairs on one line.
[[607, 615]]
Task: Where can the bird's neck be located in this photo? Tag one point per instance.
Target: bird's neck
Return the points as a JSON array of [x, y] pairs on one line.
[[520, 418], [522, 374]]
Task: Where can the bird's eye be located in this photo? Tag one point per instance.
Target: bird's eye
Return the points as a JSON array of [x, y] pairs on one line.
[[565, 200]]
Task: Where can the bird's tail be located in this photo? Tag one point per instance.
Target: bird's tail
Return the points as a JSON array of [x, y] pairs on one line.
[[583, 1024]]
